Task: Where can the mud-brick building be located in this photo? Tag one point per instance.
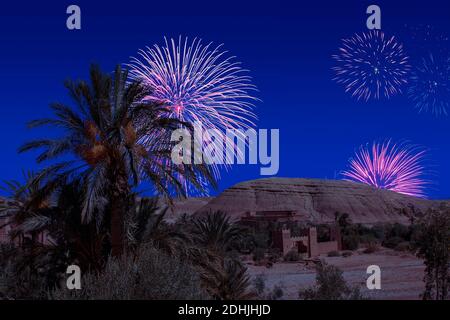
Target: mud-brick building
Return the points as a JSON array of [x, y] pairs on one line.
[[306, 242]]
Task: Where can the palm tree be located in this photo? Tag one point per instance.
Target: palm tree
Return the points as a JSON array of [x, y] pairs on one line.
[[215, 231], [45, 219], [145, 223], [227, 280], [29, 209], [108, 136], [26, 204]]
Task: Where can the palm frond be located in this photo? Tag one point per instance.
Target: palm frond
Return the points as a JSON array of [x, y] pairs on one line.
[[34, 223], [95, 192]]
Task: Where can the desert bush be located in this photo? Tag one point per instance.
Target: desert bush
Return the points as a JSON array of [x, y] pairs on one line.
[[259, 283], [392, 242], [386, 231], [9, 279], [150, 274], [259, 254], [274, 255], [390, 235], [400, 231], [19, 278], [323, 233], [276, 293], [371, 248], [261, 239], [349, 231], [333, 254], [346, 254], [363, 229], [416, 230], [330, 285], [403, 246], [292, 256], [368, 239], [433, 245], [379, 231], [350, 241], [246, 244]]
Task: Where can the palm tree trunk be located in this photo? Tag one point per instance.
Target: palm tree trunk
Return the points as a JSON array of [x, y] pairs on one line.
[[116, 229], [119, 200]]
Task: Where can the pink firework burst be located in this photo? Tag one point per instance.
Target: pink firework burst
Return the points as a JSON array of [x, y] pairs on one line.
[[389, 166], [199, 84]]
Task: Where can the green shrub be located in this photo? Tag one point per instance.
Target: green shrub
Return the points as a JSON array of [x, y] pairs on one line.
[[292, 256], [400, 231], [432, 245], [371, 248], [416, 234], [274, 255], [330, 285], [19, 279], [259, 283], [323, 233], [151, 274], [259, 254], [350, 241], [392, 242], [261, 239], [368, 239], [403, 246], [333, 254], [379, 231], [276, 294], [346, 254], [245, 245]]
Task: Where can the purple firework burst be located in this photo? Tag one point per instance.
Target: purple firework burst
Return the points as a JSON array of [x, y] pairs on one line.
[[389, 166], [430, 85], [371, 65]]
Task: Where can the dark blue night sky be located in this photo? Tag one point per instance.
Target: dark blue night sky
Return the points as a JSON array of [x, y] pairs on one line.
[[287, 48]]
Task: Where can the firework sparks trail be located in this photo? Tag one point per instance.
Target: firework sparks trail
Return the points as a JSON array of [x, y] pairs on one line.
[[429, 88], [371, 65], [389, 166], [198, 84]]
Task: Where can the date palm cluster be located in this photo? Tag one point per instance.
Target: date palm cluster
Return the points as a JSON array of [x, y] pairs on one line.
[[85, 206]]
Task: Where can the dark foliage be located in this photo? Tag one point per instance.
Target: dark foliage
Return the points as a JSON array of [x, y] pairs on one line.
[[330, 285], [433, 245]]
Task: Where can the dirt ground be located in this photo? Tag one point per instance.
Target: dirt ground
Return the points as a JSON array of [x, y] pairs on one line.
[[401, 274]]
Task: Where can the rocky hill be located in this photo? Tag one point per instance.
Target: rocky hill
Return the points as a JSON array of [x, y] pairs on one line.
[[318, 200], [185, 206]]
